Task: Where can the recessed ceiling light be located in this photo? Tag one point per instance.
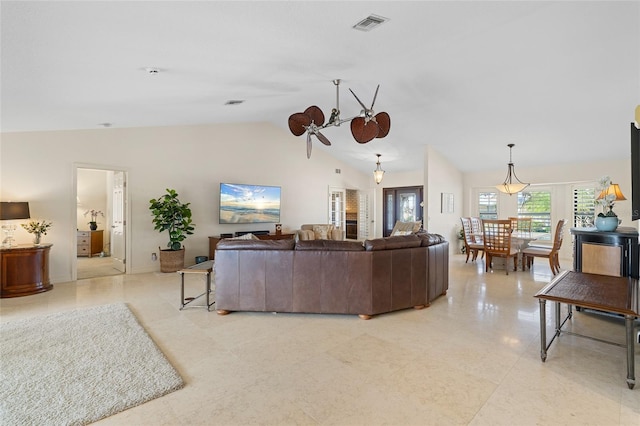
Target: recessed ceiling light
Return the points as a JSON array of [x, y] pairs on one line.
[[152, 70], [234, 102], [370, 22]]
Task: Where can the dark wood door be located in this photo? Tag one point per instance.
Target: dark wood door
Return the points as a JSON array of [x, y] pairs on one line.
[[403, 204]]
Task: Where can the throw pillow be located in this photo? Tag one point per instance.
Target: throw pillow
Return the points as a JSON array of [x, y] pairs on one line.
[[321, 231]]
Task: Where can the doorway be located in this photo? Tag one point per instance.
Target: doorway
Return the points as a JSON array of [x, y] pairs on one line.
[[401, 203], [100, 198]]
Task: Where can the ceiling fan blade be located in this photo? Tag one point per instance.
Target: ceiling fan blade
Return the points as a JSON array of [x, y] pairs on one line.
[[364, 131], [308, 145], [358, 99], [316, 114], [322, 138], [384, 121], [298, 123], [374, 97]]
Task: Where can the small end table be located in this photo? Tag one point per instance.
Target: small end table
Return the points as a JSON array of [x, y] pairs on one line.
[[619, 295], [204, 268]]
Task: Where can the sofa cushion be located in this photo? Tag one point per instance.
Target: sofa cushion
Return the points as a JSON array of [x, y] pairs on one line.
[[393, 242], [230, 244], [329, 245], [430, 239], [305, 234]]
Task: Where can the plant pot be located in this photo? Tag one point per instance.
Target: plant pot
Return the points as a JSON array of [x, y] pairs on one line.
[[171, 260], [607, 223], [93, 226]]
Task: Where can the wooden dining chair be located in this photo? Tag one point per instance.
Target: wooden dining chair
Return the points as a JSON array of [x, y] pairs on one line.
[[497, 243], [521, 224], [476, 228], [551, 253], [472, 246]]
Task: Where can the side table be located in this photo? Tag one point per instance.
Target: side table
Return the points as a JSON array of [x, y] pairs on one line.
[[24, 270], [204, 268]]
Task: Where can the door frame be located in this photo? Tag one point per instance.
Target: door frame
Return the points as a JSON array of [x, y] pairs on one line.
[[74, 214]]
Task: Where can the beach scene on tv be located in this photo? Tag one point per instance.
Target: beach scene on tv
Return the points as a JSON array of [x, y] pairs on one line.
[[241, 203]]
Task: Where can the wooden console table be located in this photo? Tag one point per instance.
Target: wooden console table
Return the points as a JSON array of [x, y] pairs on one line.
[[619, 295], [213, 241], [24, 270]]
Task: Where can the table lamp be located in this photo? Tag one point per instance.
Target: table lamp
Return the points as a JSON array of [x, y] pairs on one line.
[[12, 211]]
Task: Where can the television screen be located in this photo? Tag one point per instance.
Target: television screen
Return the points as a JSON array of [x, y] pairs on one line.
[[241, 203], [635, 172]]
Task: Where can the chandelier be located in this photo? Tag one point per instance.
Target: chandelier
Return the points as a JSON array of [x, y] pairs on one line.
[[511, 184], [378, 173]]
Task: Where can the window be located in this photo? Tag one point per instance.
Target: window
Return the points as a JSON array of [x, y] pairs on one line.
[[584, 207], [488, 205], [537, 206]]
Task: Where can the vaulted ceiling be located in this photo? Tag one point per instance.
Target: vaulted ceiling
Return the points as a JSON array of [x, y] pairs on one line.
[[559, 79]]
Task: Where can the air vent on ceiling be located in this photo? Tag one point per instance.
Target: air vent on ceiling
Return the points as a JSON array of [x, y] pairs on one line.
[[234, 102], [370, 22]]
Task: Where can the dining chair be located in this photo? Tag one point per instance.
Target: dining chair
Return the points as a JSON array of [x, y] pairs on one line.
[[551, 253], [521, 224], [472, 247], [497, 243], [476, 228]]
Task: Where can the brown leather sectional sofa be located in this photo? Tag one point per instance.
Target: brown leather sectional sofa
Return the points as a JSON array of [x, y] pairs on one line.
[[331, 277]]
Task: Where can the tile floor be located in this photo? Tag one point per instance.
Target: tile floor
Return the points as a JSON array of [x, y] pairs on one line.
[[470, 358]]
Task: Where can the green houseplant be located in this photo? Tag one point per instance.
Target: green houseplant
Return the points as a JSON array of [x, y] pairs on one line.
[[173, 216]]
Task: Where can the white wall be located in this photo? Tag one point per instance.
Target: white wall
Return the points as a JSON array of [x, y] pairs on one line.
[[442, 177], [39, 167]]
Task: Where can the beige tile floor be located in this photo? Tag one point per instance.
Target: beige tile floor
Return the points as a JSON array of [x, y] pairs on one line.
[[472, 357]]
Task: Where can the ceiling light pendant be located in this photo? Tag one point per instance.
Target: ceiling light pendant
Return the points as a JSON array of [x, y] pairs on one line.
[[378, 173], [509, 186]]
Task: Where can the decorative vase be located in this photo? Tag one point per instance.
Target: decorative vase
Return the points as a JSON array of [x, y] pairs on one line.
[[93, 226], [36, 238], [607, 223]]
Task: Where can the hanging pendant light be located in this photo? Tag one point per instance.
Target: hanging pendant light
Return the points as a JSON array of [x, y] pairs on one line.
[[378, 173], [511, 184]]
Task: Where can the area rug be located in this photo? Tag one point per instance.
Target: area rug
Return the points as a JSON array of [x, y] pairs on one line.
[[74, 368]]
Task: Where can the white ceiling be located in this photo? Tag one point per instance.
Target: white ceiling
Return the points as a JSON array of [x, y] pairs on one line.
[[559, 79]]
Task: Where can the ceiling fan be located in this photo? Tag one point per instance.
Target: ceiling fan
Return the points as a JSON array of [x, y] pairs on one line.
[[364, 127]]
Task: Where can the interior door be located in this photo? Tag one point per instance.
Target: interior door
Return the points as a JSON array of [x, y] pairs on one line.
[[118, 224], [338, 207], [403, 204]]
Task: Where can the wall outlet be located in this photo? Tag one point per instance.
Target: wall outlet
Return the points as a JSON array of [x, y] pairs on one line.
[[154, 257]]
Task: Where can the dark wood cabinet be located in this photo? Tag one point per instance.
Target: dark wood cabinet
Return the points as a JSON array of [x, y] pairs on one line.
[[24, 270], [213, 241], [612, 253]]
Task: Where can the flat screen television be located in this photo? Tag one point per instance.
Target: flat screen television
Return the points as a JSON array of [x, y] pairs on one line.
[[241, 203], [635, 172]]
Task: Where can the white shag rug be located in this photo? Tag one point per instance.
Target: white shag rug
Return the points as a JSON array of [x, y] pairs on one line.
[[74, 368]]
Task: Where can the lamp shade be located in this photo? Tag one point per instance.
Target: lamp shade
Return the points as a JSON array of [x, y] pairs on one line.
[[613, 189], [14, 210]]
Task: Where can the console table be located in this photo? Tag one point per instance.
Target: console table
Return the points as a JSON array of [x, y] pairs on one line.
[[612, 253], [213, 241], [619, 295], [24, 270]]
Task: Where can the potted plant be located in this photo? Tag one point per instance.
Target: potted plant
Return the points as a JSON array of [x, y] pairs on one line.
[[93, 224], [38, 229], [173, 216]]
